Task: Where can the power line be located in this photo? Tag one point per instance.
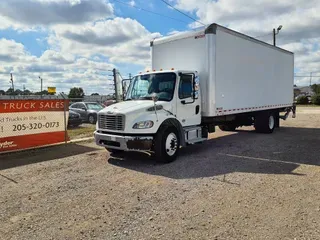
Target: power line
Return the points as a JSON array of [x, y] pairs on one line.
[[146, 10], [182, 12]]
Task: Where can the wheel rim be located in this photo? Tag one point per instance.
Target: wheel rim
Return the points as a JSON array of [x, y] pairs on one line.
[[91, 119], [271, 122], [171, 144]]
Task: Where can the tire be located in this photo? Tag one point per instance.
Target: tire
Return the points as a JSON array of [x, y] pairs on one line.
[[92, 119], [227, 127], [265, 122], [167, 144]]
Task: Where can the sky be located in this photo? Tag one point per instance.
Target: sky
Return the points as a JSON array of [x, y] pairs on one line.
[[74, 43]]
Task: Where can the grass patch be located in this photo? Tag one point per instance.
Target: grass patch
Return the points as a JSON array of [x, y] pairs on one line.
[[83, 131]]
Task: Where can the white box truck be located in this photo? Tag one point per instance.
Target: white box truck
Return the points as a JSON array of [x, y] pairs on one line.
[[200, 80]]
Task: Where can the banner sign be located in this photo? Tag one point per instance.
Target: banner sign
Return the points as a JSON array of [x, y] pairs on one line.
[[31, 123], [51, 90]]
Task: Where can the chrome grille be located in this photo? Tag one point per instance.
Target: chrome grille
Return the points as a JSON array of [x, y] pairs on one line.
[[111, 122]]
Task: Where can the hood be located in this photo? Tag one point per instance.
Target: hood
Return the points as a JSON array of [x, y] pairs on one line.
[[128, 106]]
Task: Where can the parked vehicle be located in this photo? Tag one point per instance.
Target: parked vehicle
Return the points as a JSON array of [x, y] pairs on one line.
[[108, 103], [87, 110], [214, 77], [74, 119]]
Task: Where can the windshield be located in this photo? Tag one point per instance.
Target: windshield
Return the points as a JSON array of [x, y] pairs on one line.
[[143, 86], [94, 106]]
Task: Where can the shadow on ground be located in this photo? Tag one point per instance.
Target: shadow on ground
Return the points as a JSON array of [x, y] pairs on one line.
[[12, 160], [243, 151]]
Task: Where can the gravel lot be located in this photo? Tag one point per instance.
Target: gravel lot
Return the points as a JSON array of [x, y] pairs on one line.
[[238, 185]]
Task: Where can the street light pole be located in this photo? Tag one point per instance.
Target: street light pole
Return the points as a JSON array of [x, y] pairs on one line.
[[11, 80], [275, 32]]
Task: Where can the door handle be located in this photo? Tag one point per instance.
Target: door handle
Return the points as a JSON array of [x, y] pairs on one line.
[[197, 109], [184, 102]]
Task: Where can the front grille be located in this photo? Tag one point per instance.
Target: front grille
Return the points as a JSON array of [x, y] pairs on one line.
[[111, 122]]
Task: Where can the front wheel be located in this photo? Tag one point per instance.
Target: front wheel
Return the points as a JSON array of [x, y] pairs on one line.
[[167, 144]]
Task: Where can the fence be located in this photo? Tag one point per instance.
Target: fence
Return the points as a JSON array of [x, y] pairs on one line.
[[34, 121]]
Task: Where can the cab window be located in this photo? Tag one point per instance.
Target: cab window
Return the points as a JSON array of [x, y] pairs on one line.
[[185, 86]]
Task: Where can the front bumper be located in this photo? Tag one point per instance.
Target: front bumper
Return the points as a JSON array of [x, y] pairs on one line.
[[125, 143]]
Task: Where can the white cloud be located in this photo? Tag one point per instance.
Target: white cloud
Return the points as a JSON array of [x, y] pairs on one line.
[[53, 57], [27, 14], [122, 40], [132, 3], [62, 70]]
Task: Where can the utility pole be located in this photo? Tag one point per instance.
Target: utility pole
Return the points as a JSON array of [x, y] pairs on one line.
[[41, 83], [130, 76], [310, 78], [115, 84], [11, 80]]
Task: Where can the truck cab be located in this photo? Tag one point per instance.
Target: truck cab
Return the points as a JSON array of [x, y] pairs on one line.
[[161, 112]]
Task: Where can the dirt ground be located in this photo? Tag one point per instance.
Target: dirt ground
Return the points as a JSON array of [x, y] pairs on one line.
[[238, 185]]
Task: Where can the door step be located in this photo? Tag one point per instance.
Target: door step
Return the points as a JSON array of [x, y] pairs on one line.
[[193, 141], [193, 135]]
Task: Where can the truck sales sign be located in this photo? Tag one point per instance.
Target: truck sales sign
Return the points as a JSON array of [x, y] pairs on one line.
[[31, 123]]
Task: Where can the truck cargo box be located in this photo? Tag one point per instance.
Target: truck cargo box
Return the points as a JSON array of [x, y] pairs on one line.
[[237, 73]]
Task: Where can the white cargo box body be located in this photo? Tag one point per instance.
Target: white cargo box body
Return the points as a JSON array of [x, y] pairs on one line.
[[237, 73]]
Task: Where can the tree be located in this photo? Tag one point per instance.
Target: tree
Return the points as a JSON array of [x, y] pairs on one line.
[[2, 92], [76, 93], [302, 100], [44, 92], [316, 88], [316, 99], [18, 92], [10, 92], [297, 92], [27, 92], [95, 94]]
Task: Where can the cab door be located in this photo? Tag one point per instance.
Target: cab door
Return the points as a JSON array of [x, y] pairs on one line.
[[188, 101]]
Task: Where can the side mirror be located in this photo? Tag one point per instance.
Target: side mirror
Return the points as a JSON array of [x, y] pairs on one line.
[[155, 97], [83, 108]]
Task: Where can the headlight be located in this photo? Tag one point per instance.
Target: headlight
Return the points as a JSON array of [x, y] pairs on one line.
[[143, 125]]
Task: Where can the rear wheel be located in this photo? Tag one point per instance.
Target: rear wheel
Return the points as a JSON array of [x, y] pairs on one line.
[[167, 144], [265, 122]]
